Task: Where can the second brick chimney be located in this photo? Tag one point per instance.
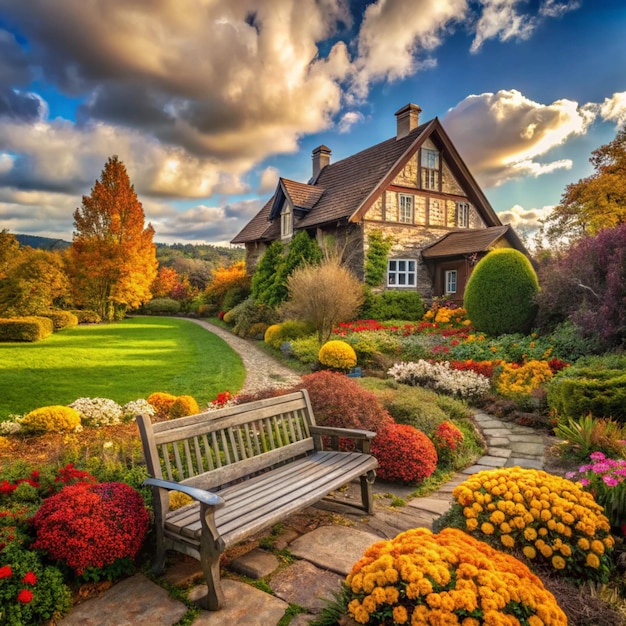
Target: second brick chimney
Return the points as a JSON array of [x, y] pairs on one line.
[[321, 158], [408, 118]]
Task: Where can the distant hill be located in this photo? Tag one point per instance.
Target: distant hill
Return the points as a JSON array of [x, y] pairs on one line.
[[45, 243]]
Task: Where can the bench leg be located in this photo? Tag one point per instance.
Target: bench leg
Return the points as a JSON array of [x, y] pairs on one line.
[[367, 480], [159, 559], [211, 547]]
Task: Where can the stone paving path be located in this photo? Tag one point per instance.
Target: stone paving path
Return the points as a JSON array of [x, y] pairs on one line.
[[323, 555]]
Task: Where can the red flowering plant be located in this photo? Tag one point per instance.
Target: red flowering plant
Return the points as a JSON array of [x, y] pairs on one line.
[[447, 439], [95, 530], [405, 454], [30, 592], [222, 399]]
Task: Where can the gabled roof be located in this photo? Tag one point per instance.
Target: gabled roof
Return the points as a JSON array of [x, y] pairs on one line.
[[462, 242], [348, 188]]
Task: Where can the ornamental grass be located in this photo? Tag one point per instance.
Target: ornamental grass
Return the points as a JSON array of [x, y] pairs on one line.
[[421, 578], [545, 519]]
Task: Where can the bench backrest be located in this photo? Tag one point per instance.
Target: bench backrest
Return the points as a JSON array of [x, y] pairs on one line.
[[212, 449]]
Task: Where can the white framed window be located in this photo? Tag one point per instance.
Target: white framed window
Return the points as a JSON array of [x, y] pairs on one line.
[[462, 214], [430, 169], [450, 279], [401, 273], [435, 210], [405, 209], [286, 221]]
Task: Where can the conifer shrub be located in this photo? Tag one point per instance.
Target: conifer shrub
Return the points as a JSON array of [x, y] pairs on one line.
[[51, 419], [183, 406], [500, 293], [405, 455], [29, 328], [337, 354], [340, 401], [96, 530]]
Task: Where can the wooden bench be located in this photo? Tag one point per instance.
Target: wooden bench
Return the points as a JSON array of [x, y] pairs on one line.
[[247, 467]]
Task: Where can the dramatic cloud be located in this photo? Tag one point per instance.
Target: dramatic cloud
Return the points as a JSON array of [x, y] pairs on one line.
[[269, 180], [614, 108], [514, 131], [524, 220]]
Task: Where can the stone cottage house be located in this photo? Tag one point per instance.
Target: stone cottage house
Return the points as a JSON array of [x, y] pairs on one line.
[[413, 187]]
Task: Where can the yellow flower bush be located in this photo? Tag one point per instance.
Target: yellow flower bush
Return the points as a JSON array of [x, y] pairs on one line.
[[546, 518], [183, 406], [516, 379], [447, 317], [162, 402], [178, 500], [51, 419], [337, 354], [272, 333], [420, 578]]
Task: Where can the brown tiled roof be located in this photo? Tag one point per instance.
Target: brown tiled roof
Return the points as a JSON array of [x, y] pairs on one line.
[[302, 196], [465, 242], [256, 227]]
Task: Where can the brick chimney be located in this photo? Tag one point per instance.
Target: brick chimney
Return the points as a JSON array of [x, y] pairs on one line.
[[321, 158], [408, 118]]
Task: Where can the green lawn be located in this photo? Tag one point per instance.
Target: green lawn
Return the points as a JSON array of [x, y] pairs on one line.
[[124, 361]]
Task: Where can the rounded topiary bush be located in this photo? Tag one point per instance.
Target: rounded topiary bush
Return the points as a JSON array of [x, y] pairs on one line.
[[183, 406], [290, 330], [500, 293], [404, 454], [550, 520], [91, 527], [337, 354], [448, 578], [162, 402], [51, 419], [340, 401]]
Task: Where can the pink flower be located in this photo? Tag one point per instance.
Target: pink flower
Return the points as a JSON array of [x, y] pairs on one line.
[[597, 456], [584, 481], [610, 481]]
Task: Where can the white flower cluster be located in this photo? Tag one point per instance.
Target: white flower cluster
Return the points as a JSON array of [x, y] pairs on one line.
[[441, 376], [135, 407], [97, 412], [12, 426]]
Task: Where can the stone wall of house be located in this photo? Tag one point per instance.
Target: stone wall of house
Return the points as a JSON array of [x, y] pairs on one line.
[[254, 252]]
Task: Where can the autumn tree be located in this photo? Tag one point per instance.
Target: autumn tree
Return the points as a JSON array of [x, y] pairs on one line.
[[9, 247], [595, 202], [167, 279], [113, 255], [229, 284], [35, 281]]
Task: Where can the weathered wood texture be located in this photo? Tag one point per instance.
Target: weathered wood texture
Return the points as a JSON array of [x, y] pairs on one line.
[[247, 467]]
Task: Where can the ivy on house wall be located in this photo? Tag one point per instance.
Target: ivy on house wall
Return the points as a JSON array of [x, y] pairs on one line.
[[378, 247]]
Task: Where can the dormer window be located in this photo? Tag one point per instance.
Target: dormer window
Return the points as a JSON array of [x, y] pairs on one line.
[[430, 169], [286, 221]]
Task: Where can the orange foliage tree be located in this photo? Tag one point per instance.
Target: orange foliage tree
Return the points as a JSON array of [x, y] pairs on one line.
[[224, 279], [166, 281], [113, 256]]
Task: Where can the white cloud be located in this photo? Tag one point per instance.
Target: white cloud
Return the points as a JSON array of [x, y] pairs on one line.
[[269, 180], [348, 120], [614, 108], [513, 133], [501, 19], [525, 220], [554, 8]]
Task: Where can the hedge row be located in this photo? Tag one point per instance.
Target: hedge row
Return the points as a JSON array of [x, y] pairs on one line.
[[25, 328]]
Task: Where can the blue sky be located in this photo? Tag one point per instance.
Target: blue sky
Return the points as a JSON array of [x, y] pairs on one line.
[[207, 102]]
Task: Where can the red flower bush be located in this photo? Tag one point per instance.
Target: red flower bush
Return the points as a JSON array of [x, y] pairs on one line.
[[91, 526], [8, 488], [69, 475], [341, 402], [447, 438], [480, 367], [405, 454]]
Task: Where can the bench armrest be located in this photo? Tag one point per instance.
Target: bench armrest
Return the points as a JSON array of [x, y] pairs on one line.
[[361, 438], [206, 497], [348, 433]]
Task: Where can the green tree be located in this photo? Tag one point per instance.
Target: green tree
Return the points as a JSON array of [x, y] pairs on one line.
[[265, 274], [595, 202], [113, 256], [378, 247], [302, 250], [500, 293]]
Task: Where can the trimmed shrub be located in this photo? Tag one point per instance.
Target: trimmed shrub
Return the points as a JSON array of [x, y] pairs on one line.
[[135, 407], [96, 530], [257, 331], [277, 334], [86, 316], [594, 386], [340, 401], [183, 406], [447, 439], [422, 578], [405, 455], [97, 412], [397, 305], [550, 520], [247, 314], [500, 293], [162, 306], [337, 354], [25, 328], [61, 319], [162, 402], [51, 419], [306, 349]]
